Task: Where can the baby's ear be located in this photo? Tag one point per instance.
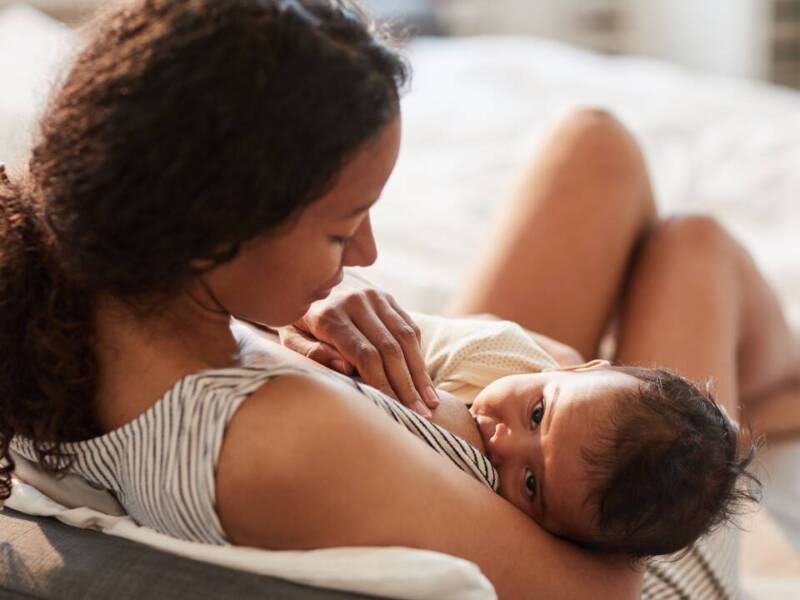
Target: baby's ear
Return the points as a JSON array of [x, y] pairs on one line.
[[588, 366]]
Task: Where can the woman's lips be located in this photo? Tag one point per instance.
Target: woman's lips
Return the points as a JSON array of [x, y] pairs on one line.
[[324, 291]]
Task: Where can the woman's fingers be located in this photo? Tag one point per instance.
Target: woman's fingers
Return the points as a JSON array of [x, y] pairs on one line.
[[406, 317], [406, 331], [372, 333], [323, 353], [360, 351], [395, 353]]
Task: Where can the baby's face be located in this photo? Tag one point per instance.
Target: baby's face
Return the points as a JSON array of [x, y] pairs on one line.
[[534, 426]]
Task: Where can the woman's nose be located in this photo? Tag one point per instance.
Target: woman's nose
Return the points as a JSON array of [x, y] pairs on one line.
[[362, 250]]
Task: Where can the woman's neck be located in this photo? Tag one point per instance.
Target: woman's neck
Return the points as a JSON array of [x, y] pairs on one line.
[[140, 359]]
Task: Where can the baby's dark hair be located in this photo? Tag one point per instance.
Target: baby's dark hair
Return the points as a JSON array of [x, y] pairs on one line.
[[671, 467]]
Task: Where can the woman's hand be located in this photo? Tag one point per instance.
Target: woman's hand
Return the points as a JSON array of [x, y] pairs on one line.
[[367, 330]]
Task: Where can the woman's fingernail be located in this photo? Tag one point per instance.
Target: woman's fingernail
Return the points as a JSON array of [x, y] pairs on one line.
[[431, 397], [423, 410]]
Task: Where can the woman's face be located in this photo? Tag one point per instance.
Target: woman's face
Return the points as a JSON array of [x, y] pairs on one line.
[[534, 427], [274, 279]]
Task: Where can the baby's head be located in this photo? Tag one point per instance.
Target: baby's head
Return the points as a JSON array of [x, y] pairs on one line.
[[619, 459]]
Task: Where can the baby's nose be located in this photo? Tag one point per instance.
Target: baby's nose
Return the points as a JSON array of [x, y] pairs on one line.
[[500, 444]]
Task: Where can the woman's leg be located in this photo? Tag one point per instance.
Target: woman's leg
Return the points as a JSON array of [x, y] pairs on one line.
[[776, 414], [696, 303], [558, 255]]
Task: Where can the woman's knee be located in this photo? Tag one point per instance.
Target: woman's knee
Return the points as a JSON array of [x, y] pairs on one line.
[[594, 117], [599, 132], [598, 149], [701, 239]]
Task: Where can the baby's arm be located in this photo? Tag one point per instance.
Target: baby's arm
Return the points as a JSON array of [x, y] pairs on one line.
[[563, 354], [466, 354]]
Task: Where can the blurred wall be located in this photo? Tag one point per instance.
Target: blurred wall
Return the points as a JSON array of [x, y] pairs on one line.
[[726, 36]]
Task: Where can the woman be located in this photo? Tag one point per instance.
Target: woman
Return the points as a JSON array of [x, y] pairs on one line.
[[205, 159]]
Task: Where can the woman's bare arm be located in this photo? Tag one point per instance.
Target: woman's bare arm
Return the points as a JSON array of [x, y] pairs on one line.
[[308, 463]]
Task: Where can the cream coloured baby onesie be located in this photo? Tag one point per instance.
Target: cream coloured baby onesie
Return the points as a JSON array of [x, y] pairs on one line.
[[464, 355]]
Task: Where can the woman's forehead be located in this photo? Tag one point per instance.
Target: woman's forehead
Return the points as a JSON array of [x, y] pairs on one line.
[[362, 178]]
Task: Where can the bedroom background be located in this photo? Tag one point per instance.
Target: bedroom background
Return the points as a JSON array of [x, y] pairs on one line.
[[706, 85]]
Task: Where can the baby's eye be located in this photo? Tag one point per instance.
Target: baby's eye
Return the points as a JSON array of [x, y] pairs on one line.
[[537, 414], [530, 483]]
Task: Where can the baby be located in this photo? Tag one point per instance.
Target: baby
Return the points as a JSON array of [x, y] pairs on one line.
[[619, 459]]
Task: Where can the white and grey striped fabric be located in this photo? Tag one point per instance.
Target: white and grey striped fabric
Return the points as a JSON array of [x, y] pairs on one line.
[[161, 465], [463, 454], [709, 570]]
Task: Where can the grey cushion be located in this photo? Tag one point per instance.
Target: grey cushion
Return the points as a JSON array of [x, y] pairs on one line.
[[43, 558]]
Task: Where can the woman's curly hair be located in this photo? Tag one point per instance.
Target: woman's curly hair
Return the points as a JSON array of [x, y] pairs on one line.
[[183, 129]]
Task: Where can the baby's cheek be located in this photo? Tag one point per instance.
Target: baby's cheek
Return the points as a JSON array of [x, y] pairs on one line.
[[515, 500]]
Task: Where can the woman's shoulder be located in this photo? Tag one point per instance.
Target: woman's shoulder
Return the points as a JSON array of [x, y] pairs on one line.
[[277, 437], [237, 380], [229, 385]]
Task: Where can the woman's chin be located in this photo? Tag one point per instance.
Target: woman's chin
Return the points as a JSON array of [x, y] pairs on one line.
[[290, 316], [282, 318], [322, 294]]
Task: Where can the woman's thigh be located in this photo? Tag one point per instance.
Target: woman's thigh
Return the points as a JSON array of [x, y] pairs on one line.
[[683, 306], [696, 302], [557, 257]]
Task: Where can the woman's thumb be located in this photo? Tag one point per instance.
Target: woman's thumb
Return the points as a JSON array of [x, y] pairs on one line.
[[318, 351]]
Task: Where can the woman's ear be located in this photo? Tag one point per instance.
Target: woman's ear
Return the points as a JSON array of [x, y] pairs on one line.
[[588, 366]]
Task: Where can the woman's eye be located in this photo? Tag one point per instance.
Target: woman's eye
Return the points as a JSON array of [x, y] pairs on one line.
[[537, 414], [341, 240], [530, 483]]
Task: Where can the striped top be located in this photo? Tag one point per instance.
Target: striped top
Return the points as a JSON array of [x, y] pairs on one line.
[[161, 465]]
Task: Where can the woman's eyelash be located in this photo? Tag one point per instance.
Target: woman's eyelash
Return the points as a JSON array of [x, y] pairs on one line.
[[342, 240]]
